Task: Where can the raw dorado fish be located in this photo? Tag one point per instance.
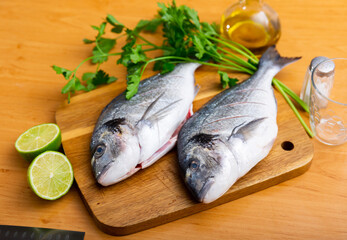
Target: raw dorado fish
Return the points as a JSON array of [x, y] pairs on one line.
[[230, 134], [132, 134]]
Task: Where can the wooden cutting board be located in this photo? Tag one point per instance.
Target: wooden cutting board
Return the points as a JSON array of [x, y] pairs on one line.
[[157, 195]]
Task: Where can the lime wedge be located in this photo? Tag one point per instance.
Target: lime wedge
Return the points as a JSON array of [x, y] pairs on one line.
[[50, 175], [38, 139]]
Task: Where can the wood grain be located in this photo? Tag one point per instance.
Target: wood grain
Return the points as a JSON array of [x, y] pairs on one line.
[[39, 33], [157, 195]]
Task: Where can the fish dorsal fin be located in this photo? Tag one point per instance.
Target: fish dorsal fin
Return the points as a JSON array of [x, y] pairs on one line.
[[249, 130]]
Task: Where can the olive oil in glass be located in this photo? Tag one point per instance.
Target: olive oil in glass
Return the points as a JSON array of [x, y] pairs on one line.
[[253, 24]]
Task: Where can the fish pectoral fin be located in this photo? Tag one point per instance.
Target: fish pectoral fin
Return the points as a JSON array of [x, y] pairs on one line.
[[161, 113], [250, 130], [151, 106]]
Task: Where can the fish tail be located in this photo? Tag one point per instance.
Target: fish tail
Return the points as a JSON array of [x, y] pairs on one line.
[[272, 59]]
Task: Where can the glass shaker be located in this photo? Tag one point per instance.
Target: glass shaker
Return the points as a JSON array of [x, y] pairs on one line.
[[324, 75], [253, 24]]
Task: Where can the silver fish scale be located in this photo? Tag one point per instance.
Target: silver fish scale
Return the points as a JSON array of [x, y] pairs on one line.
[[135, 108], [234, 107]]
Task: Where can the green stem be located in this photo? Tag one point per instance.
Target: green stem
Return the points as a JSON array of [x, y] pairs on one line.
[[237, 59], [279, 88], [120, 36], [98, 66], [253, 57], [191, 60], [231, 47], [150, 49], [221, 66], [91, 57], [246, 70], [146, 41], [158, 59], [225, 60], [97, 46], [292, 95]]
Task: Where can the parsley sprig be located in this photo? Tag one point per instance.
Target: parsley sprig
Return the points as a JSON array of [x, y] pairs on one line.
[[185, 39]]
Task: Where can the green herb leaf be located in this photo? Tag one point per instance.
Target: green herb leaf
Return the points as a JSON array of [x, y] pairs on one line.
[[226, 80], [59, 70], [148, 25], [111, 80], [100, 78], [133, 79], [90, 87], [137, 55], [193, 16], [127, 51], [199, 46], [94, 79], [117, 29], [105, 45], [117, 26], [101, 29], [95, 27], [209, 29], [79, 86], [69, 87], [164, 66], [132, 87], [113, 21], [167, 67], [88, 76], [158, 65], [87, 41], [99, 57]]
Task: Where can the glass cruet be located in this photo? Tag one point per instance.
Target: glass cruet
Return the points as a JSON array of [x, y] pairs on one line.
[[252, 23]]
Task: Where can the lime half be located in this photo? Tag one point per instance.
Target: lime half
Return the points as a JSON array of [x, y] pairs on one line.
[[50, 175], [38, 139]]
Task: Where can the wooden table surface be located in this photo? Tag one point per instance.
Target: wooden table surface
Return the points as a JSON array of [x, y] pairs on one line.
[[37, 34]]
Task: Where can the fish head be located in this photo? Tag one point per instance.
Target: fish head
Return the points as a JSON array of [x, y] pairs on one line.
[[115, 152], [207, 169]]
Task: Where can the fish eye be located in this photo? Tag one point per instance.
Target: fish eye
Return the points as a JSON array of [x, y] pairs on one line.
[[99, 151], [194, 165]]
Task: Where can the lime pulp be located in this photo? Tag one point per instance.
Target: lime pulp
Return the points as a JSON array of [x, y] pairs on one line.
[[50, 175], [38, 139]]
